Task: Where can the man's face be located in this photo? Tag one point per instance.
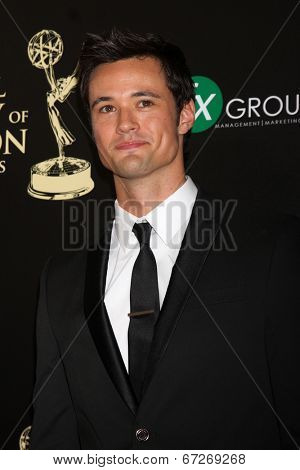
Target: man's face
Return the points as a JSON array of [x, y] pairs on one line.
[[133, 115]]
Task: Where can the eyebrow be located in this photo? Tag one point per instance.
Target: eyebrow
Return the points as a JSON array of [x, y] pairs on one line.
[[134, 95]]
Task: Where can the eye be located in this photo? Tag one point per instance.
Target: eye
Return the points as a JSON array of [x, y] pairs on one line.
[[106, 109], [145, 104]]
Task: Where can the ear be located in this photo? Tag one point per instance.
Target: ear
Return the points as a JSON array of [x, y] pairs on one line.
[[187, 117]]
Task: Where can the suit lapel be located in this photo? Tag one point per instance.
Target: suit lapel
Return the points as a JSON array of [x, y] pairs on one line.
[[196, 245], [98, 320]]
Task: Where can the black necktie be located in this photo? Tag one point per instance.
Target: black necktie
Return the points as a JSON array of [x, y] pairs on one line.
[[144, 307]]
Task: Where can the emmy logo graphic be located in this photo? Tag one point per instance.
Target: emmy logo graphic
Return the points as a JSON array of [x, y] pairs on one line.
[[24, 439], [60, 177]]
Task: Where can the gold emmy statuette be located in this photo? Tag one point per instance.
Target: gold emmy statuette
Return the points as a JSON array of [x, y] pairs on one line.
[[25, 438], [60, 177]]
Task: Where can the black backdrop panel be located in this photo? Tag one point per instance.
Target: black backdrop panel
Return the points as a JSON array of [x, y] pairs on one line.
[[250, 50]]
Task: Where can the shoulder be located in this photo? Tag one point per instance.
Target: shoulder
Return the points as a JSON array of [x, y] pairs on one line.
[[253, 223], [285, 262], [64, 268], [270, 243], [62, 262], [253, 237]]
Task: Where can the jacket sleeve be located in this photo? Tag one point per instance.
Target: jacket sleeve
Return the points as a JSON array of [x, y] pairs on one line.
[[282, 333], [54, 423]]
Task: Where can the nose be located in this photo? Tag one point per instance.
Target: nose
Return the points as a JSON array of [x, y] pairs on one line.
[[127, 121]]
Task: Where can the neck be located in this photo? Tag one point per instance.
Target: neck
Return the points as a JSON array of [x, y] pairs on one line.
[[140, 195]]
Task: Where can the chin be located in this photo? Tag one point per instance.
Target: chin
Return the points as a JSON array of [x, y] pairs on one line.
[[133, 165]]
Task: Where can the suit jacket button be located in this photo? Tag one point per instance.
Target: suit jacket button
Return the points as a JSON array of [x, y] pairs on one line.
[[142, 434]]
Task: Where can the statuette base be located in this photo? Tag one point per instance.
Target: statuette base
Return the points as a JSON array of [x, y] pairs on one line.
[[60, 178]]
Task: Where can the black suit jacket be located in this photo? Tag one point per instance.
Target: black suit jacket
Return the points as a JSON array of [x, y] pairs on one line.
[[224, 366]]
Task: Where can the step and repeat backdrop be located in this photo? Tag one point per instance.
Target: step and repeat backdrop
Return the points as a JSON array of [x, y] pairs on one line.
[[244, 60]]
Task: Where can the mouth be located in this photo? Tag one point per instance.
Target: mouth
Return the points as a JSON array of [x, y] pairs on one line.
[[130, 145]]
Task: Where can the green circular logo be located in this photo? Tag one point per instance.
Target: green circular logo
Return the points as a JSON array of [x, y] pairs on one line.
[[209, 103]]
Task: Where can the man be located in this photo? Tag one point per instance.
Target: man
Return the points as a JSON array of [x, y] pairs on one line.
[[171, 335]]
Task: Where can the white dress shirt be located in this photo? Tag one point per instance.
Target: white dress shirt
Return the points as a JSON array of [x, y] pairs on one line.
[[169, 221]]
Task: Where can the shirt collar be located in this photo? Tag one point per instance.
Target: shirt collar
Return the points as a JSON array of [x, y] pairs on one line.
[[166, 218]]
